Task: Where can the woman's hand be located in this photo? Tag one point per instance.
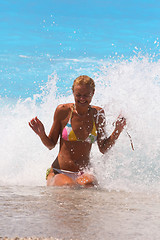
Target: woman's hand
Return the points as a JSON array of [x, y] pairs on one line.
[[37, 126], [120, 124]]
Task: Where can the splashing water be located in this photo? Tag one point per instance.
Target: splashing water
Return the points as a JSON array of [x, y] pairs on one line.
[[128, 87]]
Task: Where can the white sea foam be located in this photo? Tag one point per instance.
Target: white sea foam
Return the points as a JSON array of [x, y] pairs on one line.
[[130, 87]]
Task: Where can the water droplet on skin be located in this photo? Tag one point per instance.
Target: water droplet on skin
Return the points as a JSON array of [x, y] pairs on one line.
[[72, 151]]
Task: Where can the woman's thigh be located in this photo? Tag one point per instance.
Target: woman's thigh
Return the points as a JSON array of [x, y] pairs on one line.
[[59, 180], [87, 180]]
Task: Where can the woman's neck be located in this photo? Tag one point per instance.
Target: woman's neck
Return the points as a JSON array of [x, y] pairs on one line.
[[81, 111]]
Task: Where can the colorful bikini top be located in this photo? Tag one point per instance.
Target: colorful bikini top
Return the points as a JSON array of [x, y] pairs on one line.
[[69, 135]]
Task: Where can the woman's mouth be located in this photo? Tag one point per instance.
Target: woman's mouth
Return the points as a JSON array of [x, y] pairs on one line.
[[83, 102]]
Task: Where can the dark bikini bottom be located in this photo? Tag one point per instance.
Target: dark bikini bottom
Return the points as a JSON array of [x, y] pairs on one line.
[[70, 174]]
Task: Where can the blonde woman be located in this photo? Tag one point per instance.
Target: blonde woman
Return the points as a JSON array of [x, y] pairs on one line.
[[78, 125]]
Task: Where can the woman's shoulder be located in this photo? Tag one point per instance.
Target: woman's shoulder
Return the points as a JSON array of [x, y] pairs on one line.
[[99, 115], [97, 109], [63, 110], [64, 107]]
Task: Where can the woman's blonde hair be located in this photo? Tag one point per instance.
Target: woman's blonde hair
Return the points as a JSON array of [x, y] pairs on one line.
[[84, 80]]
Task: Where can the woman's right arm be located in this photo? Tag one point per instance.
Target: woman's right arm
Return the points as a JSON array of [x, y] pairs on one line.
[[51, 140]]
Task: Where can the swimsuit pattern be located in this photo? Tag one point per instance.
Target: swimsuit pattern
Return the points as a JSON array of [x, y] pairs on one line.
[[69, 135]]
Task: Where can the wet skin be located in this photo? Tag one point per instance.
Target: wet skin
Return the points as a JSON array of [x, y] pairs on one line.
[[75, 155]]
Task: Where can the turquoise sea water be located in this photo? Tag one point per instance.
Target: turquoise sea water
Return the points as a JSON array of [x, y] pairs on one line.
[[38, 37], [44, 46]]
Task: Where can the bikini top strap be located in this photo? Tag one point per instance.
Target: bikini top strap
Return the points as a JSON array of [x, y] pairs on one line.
[[72, 108], [90, 107]]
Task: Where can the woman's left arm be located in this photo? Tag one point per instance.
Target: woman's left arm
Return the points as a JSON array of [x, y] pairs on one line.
[[104, 142]]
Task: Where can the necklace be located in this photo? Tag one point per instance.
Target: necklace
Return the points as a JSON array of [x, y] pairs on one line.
[[81, 115]]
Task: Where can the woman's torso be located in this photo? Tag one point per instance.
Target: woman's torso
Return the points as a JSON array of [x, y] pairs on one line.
[[74, 155]]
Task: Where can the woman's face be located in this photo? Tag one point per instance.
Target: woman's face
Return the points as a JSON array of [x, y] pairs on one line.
[[83, 95]]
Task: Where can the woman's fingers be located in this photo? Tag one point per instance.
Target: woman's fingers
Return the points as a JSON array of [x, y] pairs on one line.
[[121, 122], [33, 121], [37, 126], [34, 124]]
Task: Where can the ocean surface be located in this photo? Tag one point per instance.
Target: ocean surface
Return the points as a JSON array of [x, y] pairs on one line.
[[44, 46]]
